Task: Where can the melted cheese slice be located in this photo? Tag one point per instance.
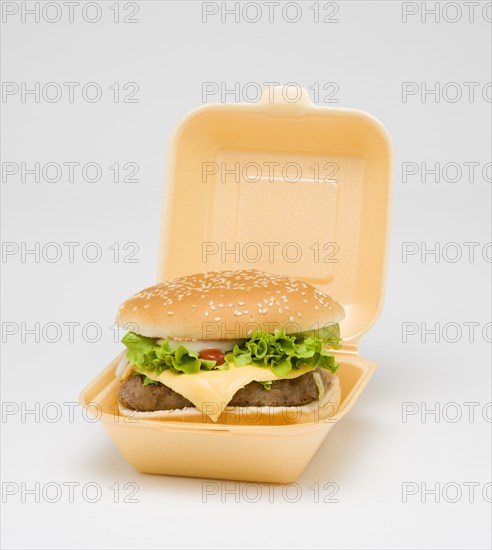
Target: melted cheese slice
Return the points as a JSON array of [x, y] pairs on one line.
[[211, 391]]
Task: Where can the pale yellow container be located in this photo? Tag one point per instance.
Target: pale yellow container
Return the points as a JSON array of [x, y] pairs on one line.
[[282, 186]]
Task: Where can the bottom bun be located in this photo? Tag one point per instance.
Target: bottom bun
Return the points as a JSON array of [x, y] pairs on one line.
[[316, 411]]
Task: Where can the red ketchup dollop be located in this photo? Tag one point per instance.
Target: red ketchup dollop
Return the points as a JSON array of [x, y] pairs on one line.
[[213, 354]]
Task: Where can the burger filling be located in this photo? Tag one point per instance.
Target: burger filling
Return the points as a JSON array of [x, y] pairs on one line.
[[135, 394], [269, 369]]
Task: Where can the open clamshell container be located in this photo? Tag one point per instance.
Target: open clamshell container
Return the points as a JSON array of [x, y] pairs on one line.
[[284, 186]]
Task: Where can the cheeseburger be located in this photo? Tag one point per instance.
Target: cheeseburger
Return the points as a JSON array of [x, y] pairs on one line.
[[209, 344]]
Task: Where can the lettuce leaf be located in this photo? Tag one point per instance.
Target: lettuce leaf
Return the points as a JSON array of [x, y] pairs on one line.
[[329, 334], [282, 352], [146, 380], [279, 351], [145, 353]]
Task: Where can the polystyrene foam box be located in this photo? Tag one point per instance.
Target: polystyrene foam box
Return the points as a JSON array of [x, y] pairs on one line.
[[282, 186]]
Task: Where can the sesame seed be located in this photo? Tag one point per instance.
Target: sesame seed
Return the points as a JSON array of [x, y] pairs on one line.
[[216, 318], [170, 312], [205, 313], [240, 303]]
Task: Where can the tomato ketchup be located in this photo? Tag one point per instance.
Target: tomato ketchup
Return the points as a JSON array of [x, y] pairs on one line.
[[213, 354]]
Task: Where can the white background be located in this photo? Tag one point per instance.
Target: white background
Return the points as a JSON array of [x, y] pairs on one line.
[[170, 52]]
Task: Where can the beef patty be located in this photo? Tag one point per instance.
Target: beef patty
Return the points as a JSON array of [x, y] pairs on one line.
[[283, 393]]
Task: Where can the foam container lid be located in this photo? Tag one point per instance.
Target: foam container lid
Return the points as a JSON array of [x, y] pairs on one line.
[[286, 187]]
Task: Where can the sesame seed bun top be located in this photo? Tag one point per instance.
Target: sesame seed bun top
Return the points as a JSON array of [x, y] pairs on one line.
[[227, 305]]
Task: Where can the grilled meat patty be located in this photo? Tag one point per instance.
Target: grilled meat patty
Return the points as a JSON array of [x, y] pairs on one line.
[[133, 394]]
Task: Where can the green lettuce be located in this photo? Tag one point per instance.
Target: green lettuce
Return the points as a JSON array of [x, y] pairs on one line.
[[278, 351], [146, 380], [145, 353], [329, 334], [282, 352]]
